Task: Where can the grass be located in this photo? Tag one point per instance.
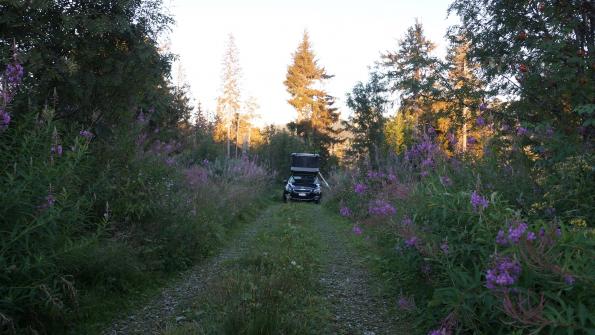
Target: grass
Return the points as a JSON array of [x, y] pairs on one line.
[[99, 305], [271, 289]]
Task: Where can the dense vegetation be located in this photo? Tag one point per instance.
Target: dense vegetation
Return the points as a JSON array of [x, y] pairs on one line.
[[481, 217], [471, 175]]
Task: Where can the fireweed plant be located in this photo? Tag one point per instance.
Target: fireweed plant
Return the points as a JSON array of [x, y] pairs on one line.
[[474, 256], [76, 227]]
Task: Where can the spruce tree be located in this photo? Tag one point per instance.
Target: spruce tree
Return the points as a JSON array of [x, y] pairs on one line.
[[316, 114], [411, 71]]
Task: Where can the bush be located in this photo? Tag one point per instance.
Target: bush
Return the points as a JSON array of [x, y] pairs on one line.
[[476, 256]]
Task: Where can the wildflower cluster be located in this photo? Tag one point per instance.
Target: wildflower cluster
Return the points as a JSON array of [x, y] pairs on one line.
[[9, 82], [360, 188], [478, 202], [381, 208], [345, 211], [505, 273]]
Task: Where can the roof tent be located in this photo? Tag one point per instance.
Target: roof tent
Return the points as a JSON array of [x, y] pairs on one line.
[[303, 162]]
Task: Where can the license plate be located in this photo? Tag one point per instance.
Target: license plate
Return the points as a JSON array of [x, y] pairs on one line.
[[302, 194]]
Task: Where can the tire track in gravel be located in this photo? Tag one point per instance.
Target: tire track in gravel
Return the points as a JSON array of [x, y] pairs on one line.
[[355, 308], [152, 318]]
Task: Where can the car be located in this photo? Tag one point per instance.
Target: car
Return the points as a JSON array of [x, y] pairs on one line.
[[302, 187]]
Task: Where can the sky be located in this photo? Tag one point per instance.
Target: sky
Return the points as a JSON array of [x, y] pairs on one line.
[[347, 37]]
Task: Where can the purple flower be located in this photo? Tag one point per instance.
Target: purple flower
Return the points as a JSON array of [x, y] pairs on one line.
[[501, 238], [205, 162], [405, 303], [406, 221], [345, 211], [480, 121], [412, 241], [4, 119], [381, 208], [392, 178], [86, 134], [515, 232], [531, 236], [505, 273], [569, 279], [550, 211], [56, 150], [445, 181], [14, 73], [360, 188], [471, 140], [357, 230], [478, 201], [170, 161], [424, 173], [483, 107], [549, 132], [441, 331], [444, 247], [521, 131], [451, 139], [558, 232]]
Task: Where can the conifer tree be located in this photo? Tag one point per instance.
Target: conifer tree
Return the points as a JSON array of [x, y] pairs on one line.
[[314, 106], [411, 71], [228, 103]]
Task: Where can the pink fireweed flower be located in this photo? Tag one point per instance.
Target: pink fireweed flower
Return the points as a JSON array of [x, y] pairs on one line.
[[480, 121], [357, 230], [412, 241], [516, 231], [478, 202], [4, 119], [345, 211], [360, 188], [505, 273], [381, 208], [440, 331], [521, 131], [569, 279], [56, 150], [405, 303], [392, 178], [406, 221], [86, 134], [471, 140], [483, 107]]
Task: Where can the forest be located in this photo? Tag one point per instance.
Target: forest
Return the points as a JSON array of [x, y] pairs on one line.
[[465, 183]]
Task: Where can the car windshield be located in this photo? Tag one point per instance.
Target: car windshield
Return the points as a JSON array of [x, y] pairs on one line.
[[303, 180]]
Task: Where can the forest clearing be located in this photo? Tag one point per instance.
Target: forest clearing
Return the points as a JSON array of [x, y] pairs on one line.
[[450, 175]]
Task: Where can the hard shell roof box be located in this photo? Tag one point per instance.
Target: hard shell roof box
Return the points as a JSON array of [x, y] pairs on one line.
[[304, 162]]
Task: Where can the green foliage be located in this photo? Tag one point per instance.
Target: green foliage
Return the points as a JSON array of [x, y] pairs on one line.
[[272, 288], [368, 102], [446, 268]]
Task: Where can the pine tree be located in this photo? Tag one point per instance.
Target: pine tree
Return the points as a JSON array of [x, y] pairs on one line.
[[228, 103], [314, 106], [411, 71]]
